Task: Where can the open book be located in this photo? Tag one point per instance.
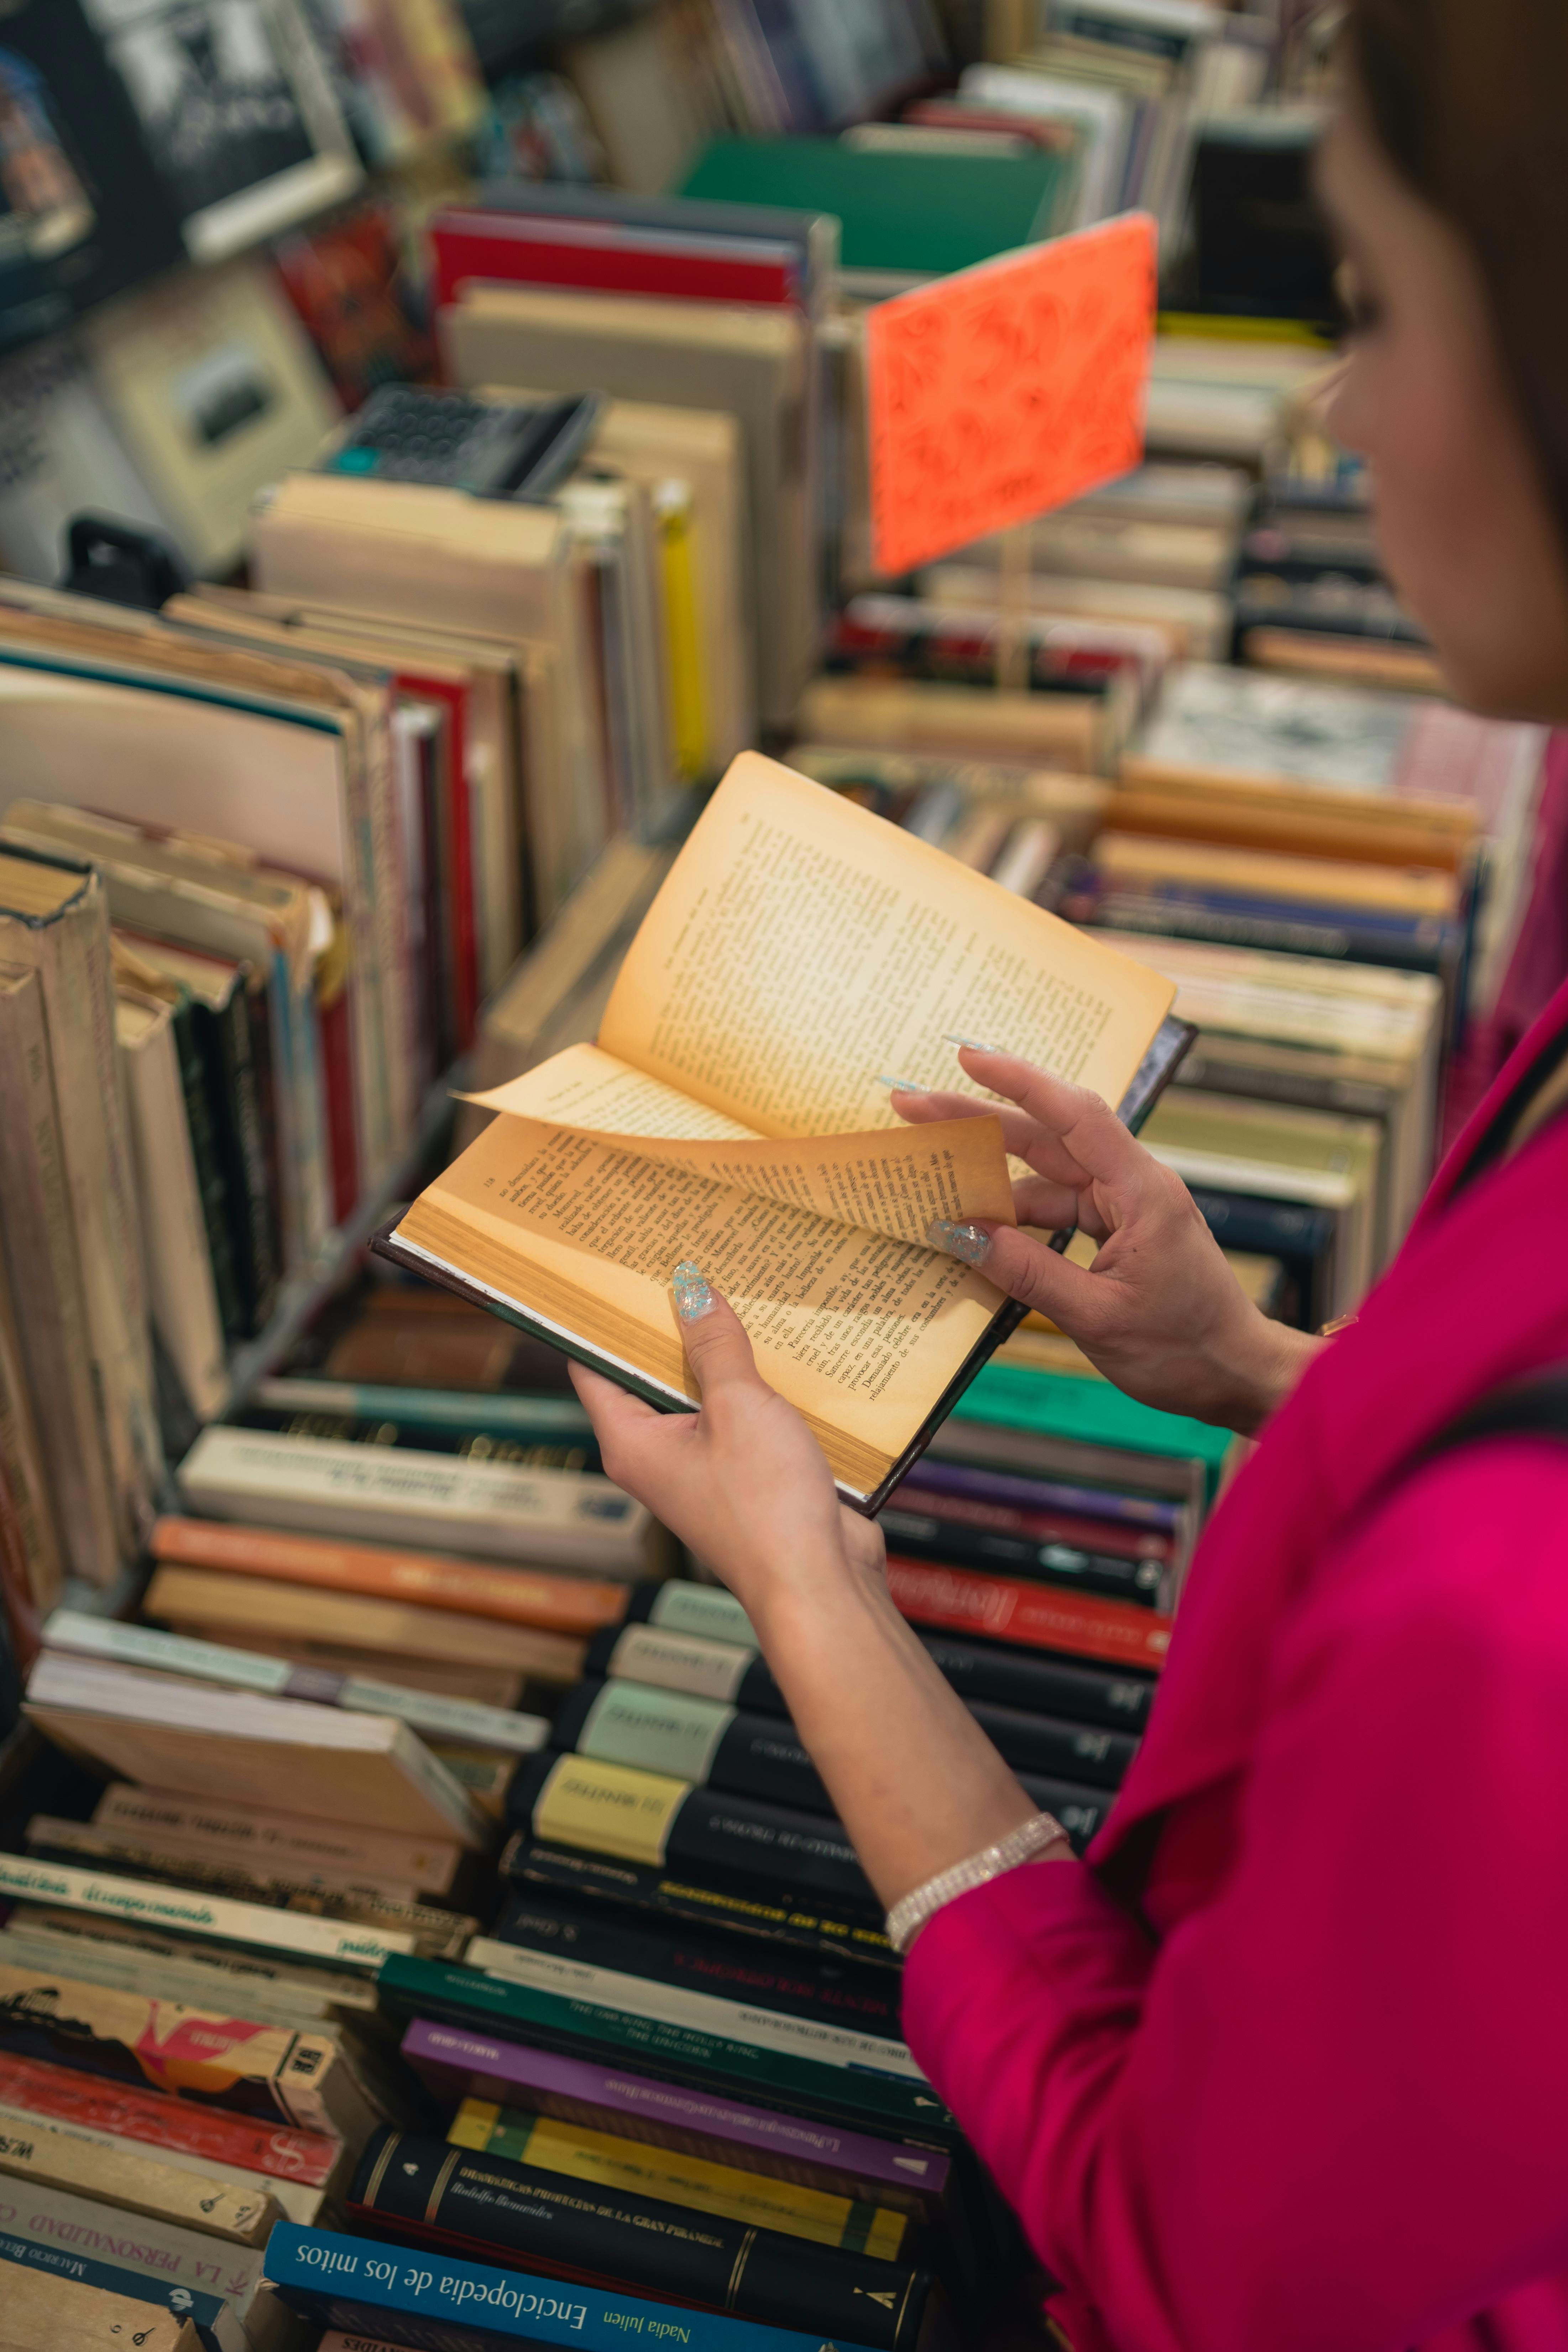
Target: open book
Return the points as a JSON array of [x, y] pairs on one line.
[[732, 1113]]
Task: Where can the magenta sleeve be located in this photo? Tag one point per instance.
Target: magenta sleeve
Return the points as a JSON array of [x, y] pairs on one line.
[[1328, 2110]]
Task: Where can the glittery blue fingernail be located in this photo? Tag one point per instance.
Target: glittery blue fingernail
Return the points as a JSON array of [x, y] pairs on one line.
[[971, 1243], [901, 1085], [693, 1292], [975, 1045]]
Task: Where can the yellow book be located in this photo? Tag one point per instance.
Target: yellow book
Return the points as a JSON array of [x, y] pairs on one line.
[[611, 2162], [688, 702]]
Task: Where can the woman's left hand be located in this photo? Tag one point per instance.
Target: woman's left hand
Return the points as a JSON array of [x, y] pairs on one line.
[[743, 1482]]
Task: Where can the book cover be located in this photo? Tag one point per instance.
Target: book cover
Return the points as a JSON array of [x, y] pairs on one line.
[[138, 2301], [255, 1834], [504, 2079], [693, 1740], [360, 2285], [188, 2272], [488, 2206], [44, 2310]]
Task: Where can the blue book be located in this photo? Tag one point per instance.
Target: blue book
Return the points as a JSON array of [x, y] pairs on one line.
[[433, 2304]]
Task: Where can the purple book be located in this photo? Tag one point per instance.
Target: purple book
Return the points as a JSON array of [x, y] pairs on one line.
[[1046, 1495], [458, 2064]]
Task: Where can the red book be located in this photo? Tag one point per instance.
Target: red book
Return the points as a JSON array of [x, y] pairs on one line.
[[591, 256], [1038, 1616], [56, 2094], [1035, 1526]]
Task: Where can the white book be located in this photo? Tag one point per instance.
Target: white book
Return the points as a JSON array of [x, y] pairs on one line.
[[555, 1518], [266, 1841], [212, 1662], [143, 1902], [299, 2200], [180, 1288], [364, 1769], [177, 2258]]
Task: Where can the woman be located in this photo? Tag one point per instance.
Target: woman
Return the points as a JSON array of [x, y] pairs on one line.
[[1284, 2066]]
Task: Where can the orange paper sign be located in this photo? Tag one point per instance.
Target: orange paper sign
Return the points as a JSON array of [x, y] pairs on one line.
[[1005, 389]]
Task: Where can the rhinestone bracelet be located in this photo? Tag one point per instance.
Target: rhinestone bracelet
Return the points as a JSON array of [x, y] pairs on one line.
[[1028, 1842]]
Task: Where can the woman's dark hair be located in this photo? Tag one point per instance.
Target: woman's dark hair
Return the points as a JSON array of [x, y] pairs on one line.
[[1467, 97]]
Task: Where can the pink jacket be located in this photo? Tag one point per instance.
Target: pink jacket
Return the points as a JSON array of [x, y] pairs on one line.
[[1300, 2084]]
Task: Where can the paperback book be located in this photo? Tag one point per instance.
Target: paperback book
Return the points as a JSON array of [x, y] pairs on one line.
[[735, 1112]]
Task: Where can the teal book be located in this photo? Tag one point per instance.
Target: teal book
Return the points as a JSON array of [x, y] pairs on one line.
[[433, 2302], [1091, 1412], [914, 214]]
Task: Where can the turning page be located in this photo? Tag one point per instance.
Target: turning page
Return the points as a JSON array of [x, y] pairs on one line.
[[802, 947]]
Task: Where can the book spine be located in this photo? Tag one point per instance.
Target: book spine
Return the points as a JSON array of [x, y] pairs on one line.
[[251, 1836], [1281, 928], [183, 1293], [52, 2159], [237, 1103], [562, 1604], [70, 2100], [922, 1535], [570, 1520], [55, 2220], [692, 1740], [1043, 1685], [834, 1992], [249, 1924], [1052, 1748], [316, 1418], [290, 2198], [1103, 1537], [515, 2075], [680, 1607], [610, 2161], [803, 2074], [957, 1601], [198, 1083], [1044, 1494], [363, 2284], [206, 2312], [691, 1662], [489, 2204], [44, 1266], [789, 1920], [50, 2308], [645, 1817]]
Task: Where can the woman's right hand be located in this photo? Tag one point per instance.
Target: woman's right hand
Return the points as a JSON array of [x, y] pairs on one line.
[[1160, 1312]]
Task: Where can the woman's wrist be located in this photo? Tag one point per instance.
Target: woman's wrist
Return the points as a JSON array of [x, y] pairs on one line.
[[1258, 1372]]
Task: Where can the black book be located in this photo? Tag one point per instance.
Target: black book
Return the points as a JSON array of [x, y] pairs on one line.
[[753, 1755], [212, 1179], [559, 1797], [1302, 1236], [423, 1437], [760, 1754], [831, 1991], [699, 1898], [919, 1534], [668, 1660], [521, 2216]]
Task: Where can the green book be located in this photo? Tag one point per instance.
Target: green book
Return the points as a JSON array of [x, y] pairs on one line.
[[909, 214], [1091, 1413], [468, 1996]]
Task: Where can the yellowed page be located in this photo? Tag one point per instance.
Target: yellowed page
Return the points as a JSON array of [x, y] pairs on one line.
[[862, 1333], [800, 946], [897, 1184]]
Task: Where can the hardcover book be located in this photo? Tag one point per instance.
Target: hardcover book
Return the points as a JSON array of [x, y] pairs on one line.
[[734, 1112]]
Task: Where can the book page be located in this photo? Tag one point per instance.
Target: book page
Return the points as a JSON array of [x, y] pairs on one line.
[[861, 1332], [897, 1184], [801, 947]]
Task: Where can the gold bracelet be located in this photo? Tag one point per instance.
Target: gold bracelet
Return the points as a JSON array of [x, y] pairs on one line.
[[1028, 1842]]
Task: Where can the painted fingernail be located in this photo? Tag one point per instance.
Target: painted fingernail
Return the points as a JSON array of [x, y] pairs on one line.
[[901, 1085], [971, 1243], [693, 1291], [974, 1044]]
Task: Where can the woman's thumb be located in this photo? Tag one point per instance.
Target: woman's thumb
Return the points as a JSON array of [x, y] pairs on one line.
[[716, 1348]]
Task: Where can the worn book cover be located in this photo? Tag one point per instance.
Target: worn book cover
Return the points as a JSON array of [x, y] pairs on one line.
[[735, 1112]]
